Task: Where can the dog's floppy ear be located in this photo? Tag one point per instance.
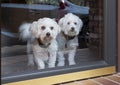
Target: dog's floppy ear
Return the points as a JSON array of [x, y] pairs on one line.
[[60, 22], [34, 29], [80, 22], [59, 28]]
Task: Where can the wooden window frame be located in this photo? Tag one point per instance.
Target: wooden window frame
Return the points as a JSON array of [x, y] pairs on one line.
[[93, 69]]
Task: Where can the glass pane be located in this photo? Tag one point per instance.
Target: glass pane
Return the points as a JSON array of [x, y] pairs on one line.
[[14, 50]]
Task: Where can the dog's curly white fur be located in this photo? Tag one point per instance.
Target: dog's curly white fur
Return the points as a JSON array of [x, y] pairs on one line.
[[41, 40], [70, 25]]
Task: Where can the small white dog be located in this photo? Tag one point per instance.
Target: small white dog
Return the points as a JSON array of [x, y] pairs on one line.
[[41, 40], [70, 25]]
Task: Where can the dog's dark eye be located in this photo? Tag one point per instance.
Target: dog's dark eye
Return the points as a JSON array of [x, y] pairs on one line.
[[51, 28], [75, 23], [43, 27], [68, 23]]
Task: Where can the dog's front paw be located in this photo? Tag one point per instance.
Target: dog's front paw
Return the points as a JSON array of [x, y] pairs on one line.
[[72, 63], [51, 66], [39, 68], [61, 64]]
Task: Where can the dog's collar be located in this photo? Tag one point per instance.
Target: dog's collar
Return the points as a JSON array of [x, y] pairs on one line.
[[42, 44], [67, 37]]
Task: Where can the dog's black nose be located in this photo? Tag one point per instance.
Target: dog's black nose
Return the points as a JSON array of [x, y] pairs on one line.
[[72, 28], [48, 34]]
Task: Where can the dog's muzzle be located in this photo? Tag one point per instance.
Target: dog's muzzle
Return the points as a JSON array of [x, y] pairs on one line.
[[72, 29], [48, 34]]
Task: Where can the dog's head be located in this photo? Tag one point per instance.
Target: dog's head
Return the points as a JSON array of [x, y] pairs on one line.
[[45, 29], [71, 24]]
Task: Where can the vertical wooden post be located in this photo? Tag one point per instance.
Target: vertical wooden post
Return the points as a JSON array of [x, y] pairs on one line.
[[119, 35]]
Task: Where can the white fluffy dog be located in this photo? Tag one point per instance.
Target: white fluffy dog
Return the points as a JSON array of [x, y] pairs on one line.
[[70, 27], [41, 41]]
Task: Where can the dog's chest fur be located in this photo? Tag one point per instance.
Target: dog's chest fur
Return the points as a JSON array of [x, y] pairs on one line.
[[44, 52], [65, 44]]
